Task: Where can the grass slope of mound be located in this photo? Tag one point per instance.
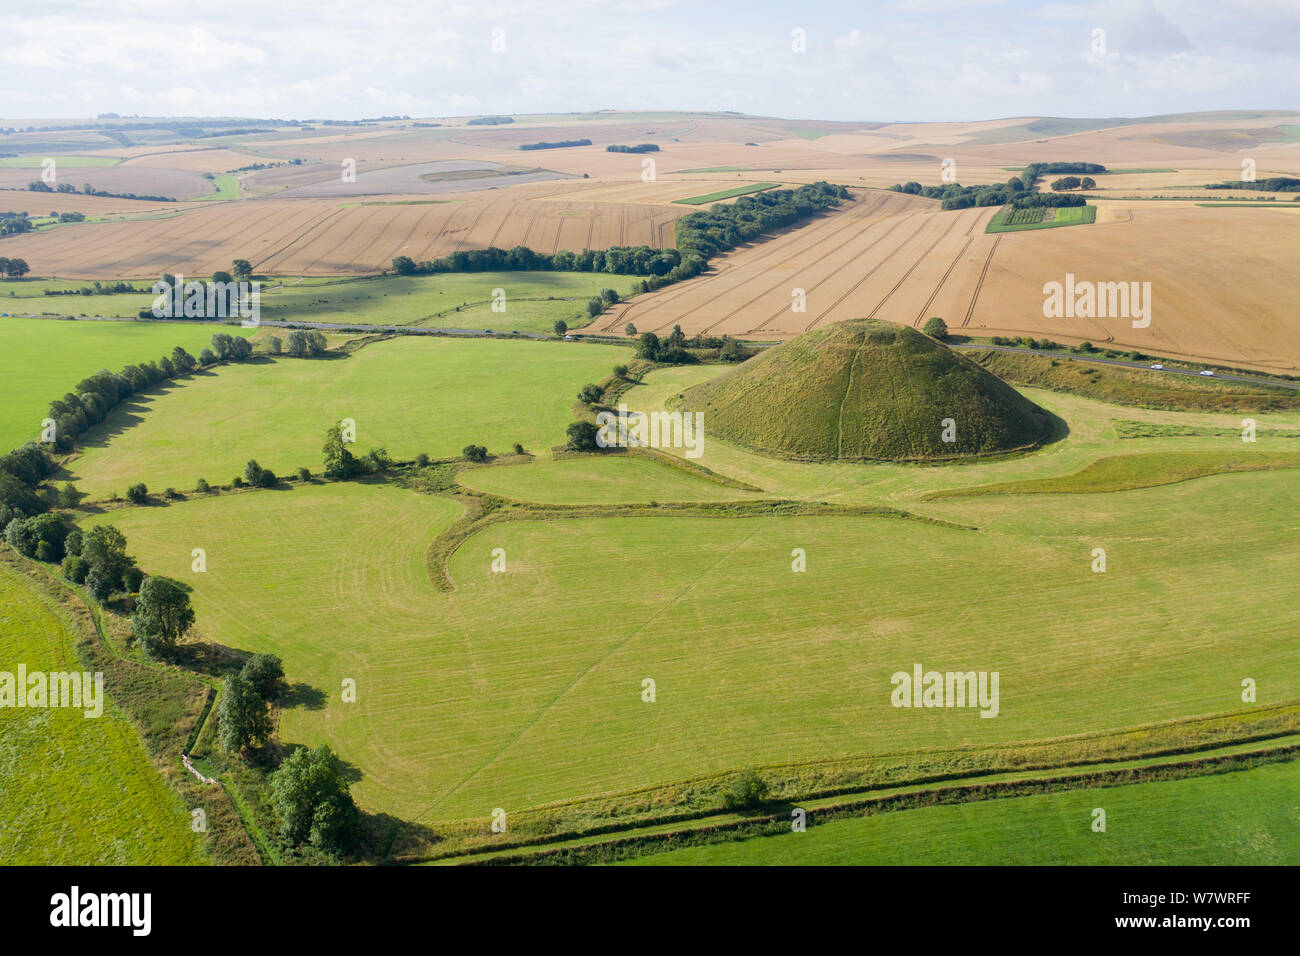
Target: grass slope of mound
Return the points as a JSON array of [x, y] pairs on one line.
[[867, 389]]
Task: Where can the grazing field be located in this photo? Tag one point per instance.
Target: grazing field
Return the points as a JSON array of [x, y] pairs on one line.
[[732, 193], [409, 395], [533, 301], [46, 358], [1245, 818], [73, 789], [502, 725]]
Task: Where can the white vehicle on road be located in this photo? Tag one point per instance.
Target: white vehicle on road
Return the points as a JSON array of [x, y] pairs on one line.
[[1206, 371], [1158, 367]]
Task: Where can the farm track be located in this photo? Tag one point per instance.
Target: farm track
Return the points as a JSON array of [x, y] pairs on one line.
[[872, 271], [910, 269], [803, 239], [768, 289], [970, 309], [935, 294]]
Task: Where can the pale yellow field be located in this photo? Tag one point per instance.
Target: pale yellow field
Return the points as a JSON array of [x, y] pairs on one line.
[[1222, 279]]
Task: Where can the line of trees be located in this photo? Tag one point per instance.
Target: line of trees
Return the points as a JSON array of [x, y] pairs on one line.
[[558, 144], [623, 260], [97, 395], [1274, 184], [1018, 191], [699, 235], [638, 148]]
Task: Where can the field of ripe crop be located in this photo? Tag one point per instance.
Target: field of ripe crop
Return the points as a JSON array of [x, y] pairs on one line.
[[886, 254], [1245, 818], [46, 358], [321, 237], [410, 395], [75, 789]]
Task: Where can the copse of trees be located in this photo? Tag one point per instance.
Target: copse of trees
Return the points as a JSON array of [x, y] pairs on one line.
[[12, 268], [557, 144], [1018, 192], [311, 797], [724, 226], [305, 343], [638, 148], [1074, 182]]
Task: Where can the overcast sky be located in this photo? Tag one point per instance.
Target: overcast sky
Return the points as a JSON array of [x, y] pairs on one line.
[[893, 60]]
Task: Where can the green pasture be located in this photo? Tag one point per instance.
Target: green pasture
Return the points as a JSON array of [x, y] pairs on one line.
[[73, 789], [46, 358], [490, 696], [1244, 818], [529, 301], [409, 395]]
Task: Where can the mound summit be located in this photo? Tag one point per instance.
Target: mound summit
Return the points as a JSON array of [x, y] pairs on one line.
[[866, 389]]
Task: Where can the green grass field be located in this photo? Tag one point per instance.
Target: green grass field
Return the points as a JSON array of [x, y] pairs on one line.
[[727, 194], [46, 358], [1008, 219], [225, 188], [533, 301], [75, 789], [462, 710], [34, 161], [1245, 818], [520, 688], [410, 395]]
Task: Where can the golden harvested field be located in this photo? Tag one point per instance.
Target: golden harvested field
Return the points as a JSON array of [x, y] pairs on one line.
[[327, 237], [1221, 278]]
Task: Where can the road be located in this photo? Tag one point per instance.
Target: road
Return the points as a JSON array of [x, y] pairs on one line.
[[416, 330], [1222, 376]]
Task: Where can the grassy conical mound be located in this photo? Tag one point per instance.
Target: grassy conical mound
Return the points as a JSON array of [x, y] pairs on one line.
[[867, 389]]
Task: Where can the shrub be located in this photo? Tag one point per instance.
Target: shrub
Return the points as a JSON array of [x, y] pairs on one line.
[[590, 394], [237, 481], [44, 551], [137, 494], [257, 476], [202, 487], [475, 452], [620, 371], [171, 494], [936, 328], [582, 436], [629, 330], [748, 789], [75, 568], [519, 449], [422, 460], [304, 474]]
